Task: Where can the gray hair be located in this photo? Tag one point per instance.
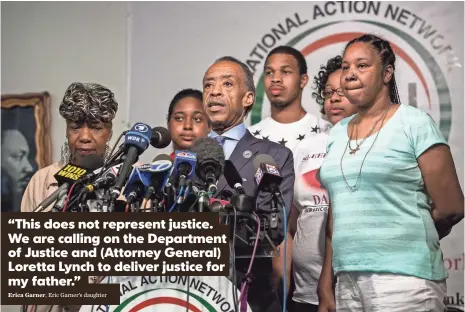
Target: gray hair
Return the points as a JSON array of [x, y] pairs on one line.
[[247, 73], [88, 102]]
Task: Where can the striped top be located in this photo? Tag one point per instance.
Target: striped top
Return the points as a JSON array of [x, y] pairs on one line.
[[385, 226]]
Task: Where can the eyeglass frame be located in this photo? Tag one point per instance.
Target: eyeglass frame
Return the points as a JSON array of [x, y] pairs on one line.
[[338, 91]]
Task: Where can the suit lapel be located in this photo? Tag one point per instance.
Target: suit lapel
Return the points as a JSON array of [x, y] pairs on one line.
[[246, 143]]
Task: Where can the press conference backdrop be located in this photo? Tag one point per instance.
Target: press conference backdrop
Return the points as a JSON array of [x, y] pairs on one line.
[[172, 45]]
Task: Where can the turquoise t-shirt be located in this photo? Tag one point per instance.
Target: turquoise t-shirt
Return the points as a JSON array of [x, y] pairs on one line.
[[385, 226]]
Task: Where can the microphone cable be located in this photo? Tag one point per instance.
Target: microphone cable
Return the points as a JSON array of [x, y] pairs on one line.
[[284, 258], [68, 197], [108, 282], [233, 254], [176, 200], [253, 257]]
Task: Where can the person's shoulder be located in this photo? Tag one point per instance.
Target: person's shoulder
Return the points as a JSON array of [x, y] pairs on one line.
[[272, 146], [36, 190], [45, 177], [312, 144], [257, 128], [316, 124], [264, 123], [46, 172], [321, 137], [412, 114], [340, 126]]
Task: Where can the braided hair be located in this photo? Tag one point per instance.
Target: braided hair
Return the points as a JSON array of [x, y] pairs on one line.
[[387, 58]]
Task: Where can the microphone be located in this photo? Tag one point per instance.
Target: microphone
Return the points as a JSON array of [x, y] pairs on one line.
[[107, 178], [183, 167], [161, 137], [210, 160], [268, 177], [160, 169], [69, 175], [136, 141], [137, 184], [147, 179], [232, 176], [219, 205]]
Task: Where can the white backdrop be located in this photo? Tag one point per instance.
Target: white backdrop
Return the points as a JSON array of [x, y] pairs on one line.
[[172, 45]]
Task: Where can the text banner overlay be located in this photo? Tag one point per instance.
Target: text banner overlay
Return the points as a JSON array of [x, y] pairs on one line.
[[49, 258]]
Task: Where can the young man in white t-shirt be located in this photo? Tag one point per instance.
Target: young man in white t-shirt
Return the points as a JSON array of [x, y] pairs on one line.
[[285, 79], [289, 123]]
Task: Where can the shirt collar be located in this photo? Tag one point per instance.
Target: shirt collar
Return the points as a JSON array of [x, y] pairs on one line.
[[235, 133]]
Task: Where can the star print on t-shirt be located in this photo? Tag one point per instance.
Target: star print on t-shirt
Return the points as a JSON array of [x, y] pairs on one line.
[[301, 137], [282, 142], [316, 129], [265, 137], [257, 132]]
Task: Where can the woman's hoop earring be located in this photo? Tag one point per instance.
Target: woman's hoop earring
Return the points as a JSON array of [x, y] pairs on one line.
[[65, 153]]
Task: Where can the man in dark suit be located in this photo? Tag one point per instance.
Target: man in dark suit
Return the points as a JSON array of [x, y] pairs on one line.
[[228, 96]]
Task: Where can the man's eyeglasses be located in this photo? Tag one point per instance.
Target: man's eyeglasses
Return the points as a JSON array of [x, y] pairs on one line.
[[327, 93]]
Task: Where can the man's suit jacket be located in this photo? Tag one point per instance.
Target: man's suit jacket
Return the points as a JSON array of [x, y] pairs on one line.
[[243, 156], [262, 294]]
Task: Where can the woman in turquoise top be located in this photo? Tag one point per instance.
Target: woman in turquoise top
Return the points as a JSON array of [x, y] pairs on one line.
[[384, 167]]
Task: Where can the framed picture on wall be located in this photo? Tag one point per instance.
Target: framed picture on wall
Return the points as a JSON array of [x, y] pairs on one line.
[[25, 143]]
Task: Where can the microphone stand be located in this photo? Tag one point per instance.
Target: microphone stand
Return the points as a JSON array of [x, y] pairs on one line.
[[107, 205], [203, 203], [154, 204]]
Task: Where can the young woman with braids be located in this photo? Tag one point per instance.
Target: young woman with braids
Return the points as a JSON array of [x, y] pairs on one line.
[[383, 168]]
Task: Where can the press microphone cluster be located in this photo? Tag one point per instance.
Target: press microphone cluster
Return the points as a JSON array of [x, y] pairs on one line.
[[185, 183], [77, 182]]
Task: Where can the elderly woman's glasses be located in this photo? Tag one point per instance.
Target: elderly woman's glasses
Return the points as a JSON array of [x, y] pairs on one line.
[[327, 93]]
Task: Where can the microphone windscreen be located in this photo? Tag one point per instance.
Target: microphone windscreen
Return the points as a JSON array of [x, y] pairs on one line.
[[91, 162], [263, 158], [163, 157], [231, 174], [161, 137], [208, 149]]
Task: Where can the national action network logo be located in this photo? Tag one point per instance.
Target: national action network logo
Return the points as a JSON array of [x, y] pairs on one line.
[[420, 79]]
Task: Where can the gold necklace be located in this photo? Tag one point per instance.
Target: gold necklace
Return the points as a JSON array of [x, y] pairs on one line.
[[355, 186], [357, 147]]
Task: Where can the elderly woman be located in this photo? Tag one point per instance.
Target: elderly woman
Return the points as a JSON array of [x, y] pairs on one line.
[[88, 109]]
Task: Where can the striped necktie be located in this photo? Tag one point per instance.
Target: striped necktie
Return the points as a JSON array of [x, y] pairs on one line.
[[220, 140]]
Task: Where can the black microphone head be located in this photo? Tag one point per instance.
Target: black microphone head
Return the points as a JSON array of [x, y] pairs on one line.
[[210, 156], [91, 162], [163, 157], [231, 174], [161, 137], [263, 158]]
